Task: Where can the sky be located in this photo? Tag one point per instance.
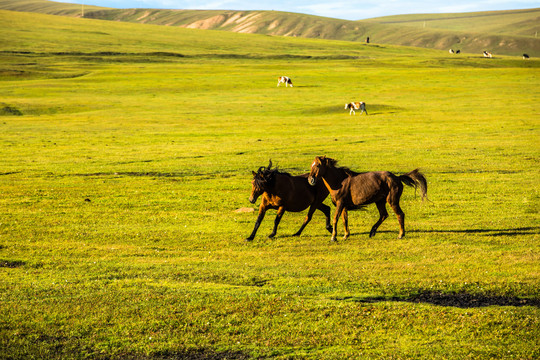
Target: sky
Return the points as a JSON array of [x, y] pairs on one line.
[[348, 10]]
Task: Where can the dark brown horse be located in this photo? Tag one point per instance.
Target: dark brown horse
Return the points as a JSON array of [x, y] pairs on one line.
[[351, 190], [285, 192]]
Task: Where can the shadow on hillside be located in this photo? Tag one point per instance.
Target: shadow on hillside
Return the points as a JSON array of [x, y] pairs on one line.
[[457, 299]]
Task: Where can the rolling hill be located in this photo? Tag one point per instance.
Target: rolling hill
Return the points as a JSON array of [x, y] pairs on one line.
[[501, 32], [511, 22]]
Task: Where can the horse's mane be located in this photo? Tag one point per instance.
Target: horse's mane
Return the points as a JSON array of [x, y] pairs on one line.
[[334, 163], [267, 175]]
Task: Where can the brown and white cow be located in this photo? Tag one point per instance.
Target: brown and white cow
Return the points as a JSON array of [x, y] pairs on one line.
[[487, 54], [355, 106], [285, 80]]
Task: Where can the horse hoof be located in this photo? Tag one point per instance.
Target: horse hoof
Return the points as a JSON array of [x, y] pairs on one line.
[[249, 239], [271, 236]]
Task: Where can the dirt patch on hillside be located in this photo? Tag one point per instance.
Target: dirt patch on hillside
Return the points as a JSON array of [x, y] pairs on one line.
[[273, 25], [248, 30], [144, 15], [206, 24], [247, 24], [233, 19]]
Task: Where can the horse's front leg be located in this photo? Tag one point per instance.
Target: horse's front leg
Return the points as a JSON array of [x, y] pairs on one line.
[[279, 215], [339, 209], [262, 211], [345, 217], [383, 214]]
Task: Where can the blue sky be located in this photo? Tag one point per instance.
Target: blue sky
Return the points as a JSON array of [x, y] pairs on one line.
[[350, 10]]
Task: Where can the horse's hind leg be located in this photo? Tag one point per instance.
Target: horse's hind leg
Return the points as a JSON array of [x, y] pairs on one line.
[[401, 219], [393, 200], [326, 211], [383, 214], [306, 220]]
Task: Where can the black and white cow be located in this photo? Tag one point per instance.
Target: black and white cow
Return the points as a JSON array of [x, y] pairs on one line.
[[285, 80], [525, 57], [355, 106], [487, 54]]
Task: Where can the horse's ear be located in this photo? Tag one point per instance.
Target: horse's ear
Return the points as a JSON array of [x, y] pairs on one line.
[[269, 164], [254, 173]]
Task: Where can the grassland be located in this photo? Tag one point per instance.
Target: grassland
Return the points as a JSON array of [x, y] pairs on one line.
[[126, 150]]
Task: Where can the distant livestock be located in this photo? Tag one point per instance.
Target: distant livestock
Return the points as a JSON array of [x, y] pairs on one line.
[[458, 51], [487, 54], [451, 51], [356, 106], [525, 57], [284, 80]]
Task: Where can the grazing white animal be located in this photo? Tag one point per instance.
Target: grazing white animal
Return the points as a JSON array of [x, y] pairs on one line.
[[355, 106], [487, 54], [285, 80], [451, 51]]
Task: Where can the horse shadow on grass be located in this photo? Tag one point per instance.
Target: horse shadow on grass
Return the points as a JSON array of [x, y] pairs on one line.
[[198, 354], [484, 232], [531, 230], [461, 300], [372, 109]]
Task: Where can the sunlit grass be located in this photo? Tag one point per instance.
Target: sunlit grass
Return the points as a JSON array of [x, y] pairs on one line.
[[118, 190]]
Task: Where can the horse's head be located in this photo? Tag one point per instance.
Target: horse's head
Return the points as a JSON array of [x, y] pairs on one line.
[[318, 169], [260, 181]]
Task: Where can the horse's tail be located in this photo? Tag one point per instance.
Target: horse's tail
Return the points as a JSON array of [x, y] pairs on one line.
[[416, 180]]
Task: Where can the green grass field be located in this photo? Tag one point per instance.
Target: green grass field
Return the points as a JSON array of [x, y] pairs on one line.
[[127, 149]]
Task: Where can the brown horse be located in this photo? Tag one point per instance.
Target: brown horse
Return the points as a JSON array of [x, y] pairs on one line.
[[350, 190], [285, 192]]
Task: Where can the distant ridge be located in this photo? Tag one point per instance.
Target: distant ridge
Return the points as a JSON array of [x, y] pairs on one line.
[[510, 32]]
